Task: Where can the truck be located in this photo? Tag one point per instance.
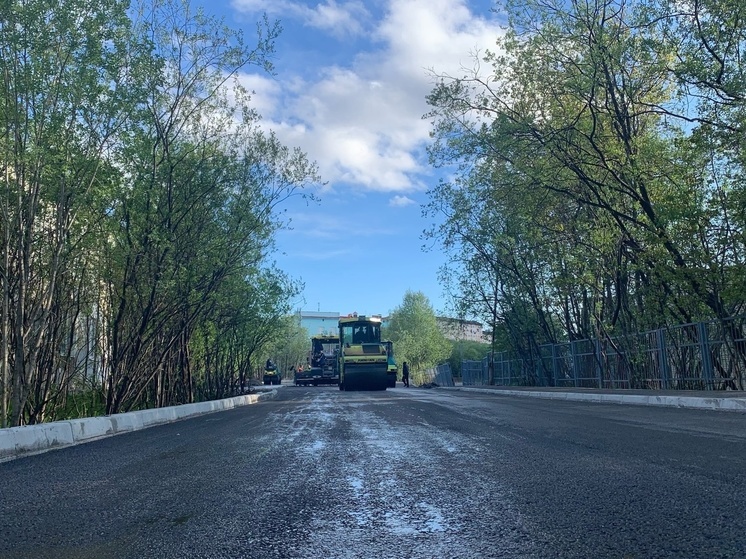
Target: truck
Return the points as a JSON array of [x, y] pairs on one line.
[[392, 367], [362, 357], [322, 362]]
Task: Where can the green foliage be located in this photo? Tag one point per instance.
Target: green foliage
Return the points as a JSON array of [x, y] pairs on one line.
[[587, 199], [78, 404], [466, 350], [289, 348], [417, 339], [145, 201], [248, 322]]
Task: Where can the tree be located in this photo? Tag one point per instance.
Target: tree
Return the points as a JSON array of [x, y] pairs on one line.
[[139, 195], [290, 347], [200, 205], [248, 320], [61, 103], [586, 198], [466, 350], [413, 329]]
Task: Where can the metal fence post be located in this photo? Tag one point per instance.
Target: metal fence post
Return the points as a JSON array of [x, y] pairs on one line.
[[491, 370], [555, 373], [599, 378], [574, 353], [663, 358], [539, 371], [704, 348]]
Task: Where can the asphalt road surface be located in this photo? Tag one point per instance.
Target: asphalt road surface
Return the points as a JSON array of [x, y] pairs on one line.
[[407, 473]]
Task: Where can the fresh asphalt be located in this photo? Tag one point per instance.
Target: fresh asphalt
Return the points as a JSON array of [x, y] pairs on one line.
[[406, 473]]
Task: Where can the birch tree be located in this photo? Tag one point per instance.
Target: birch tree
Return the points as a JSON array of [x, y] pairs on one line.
[[60, 106]]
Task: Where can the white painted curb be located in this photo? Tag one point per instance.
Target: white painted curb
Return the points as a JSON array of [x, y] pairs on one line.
[[33, 439], [693, 402]]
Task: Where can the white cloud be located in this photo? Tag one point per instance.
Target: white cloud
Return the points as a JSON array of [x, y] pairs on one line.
[[323, 255], [254, 5], [437, 34], [401, 201], [363, 123], [325, 227], [265, 92], [339, 19], [317, 225], [344, 19]]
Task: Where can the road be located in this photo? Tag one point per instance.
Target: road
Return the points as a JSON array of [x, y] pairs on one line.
[[407, 473]]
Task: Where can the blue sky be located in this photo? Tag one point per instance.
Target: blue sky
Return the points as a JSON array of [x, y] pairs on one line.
[[350, 90]]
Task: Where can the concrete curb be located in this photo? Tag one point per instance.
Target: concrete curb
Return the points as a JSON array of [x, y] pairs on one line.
[[736, 404], [33, 439]]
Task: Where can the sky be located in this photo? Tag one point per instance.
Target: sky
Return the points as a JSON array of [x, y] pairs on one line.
[[349, 89]]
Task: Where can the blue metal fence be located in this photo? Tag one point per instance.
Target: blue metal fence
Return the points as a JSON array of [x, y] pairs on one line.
[[474, 373], [440, 375], [697, 356]]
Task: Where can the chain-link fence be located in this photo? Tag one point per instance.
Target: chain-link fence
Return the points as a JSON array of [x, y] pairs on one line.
[[697, 356]]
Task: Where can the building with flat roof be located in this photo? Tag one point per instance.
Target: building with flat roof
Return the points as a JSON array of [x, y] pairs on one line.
[[322, 322], [456, 329], [318, 322]]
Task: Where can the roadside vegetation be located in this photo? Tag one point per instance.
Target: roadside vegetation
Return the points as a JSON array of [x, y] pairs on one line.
[[597, 186], [289, 350], [139, 201], [413, 328], [465, 350]]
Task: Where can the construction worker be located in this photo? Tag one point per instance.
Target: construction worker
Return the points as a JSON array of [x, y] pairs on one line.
[[405, 374]]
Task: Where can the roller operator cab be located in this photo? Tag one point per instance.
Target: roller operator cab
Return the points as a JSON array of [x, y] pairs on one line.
[[363, 358]]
